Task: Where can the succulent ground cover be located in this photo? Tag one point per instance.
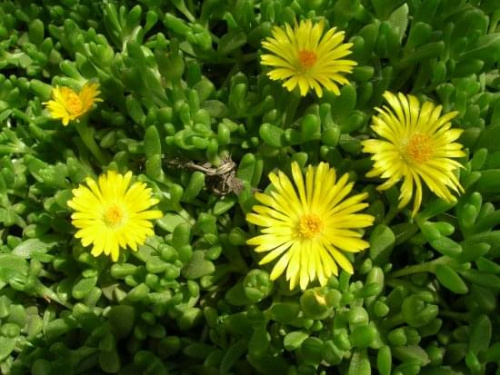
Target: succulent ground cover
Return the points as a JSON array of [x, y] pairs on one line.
[[249, 187]]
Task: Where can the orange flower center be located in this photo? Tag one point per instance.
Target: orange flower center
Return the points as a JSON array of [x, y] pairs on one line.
[[307, 59], [309, 226], [73, 104], [419, 148], [113, 216]]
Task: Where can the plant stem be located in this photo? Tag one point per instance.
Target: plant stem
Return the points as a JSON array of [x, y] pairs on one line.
[[455, 315], [393, 211], [291, 108], [419, 268], [250, 56], [87, 135]]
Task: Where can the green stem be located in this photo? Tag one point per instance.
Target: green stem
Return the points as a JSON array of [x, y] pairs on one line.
[[47, 275], [419, 268], [455, 315], [250, 57], [291, 109], [216, 59], [393, 211], [86, 133]]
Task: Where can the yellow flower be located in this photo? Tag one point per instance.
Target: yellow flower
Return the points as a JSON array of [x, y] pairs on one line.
[[306, 58], [309, 225], [418, 145], [67, 105], [110, 215]]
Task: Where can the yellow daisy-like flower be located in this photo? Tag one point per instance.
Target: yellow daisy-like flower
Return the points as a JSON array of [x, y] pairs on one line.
[[67, 105], [306, 58], [110, 215], [309, 225], [418, 145]]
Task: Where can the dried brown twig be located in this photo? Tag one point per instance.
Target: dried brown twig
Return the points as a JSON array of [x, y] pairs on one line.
[[221, 180]]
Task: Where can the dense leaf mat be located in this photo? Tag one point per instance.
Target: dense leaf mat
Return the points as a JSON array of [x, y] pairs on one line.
[[188, 108]]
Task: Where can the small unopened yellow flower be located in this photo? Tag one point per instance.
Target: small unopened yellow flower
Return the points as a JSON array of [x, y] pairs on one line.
[[67, 105], [418, 145], [111, 215], [309, 224], [307, 58]]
